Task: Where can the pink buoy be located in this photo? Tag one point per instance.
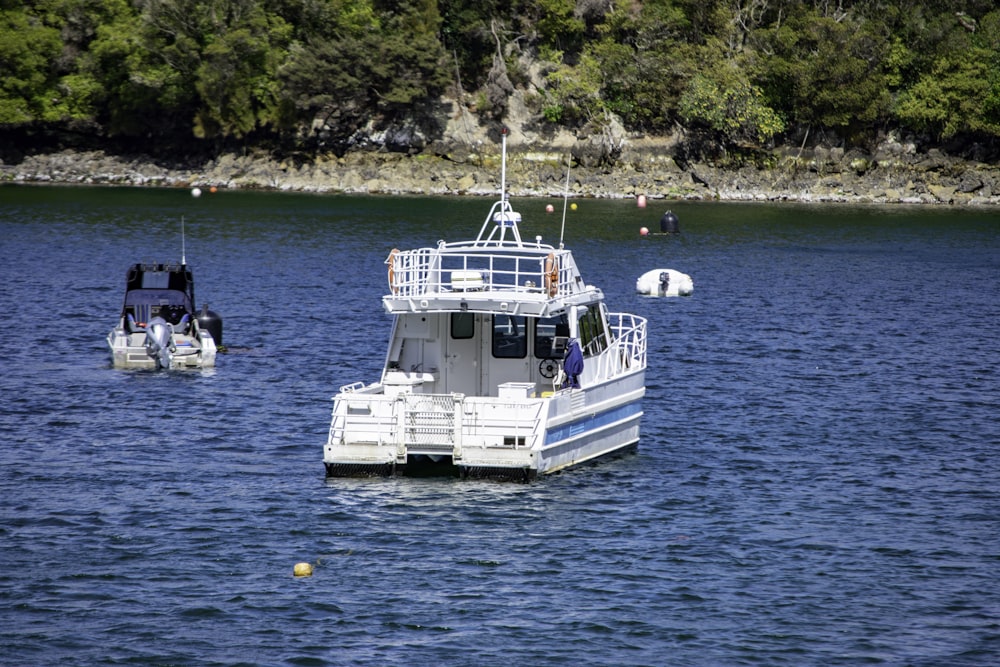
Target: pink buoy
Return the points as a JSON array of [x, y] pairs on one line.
[[641, 201], [549, 208], [643, 231]]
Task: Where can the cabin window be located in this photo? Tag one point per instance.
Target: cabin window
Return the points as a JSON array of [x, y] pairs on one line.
[[510, 336], [551, 334], [463, 325], [156, 280], [593, 335]]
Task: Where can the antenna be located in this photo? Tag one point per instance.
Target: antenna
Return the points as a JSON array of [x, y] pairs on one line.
[[503, 165], [183, 257], [562, 231]]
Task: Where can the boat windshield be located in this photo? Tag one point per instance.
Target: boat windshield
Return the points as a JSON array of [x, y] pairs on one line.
[[164, 290], [142, 305], [156, 297]]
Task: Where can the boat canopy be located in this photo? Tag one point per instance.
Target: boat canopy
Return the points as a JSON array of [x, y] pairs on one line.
[[167, 284]]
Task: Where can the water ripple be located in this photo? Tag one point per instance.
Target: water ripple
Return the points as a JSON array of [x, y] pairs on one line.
[[815, 485]]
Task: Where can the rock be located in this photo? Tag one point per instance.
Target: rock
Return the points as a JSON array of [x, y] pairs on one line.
[[466, 183], [943, 193], [970, 183]]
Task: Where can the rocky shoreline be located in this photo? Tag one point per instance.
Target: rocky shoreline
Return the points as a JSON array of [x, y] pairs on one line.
[[896, 174], [463, 158]]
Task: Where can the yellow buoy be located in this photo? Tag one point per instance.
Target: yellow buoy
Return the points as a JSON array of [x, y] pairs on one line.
[[572, 206], [303, 570]]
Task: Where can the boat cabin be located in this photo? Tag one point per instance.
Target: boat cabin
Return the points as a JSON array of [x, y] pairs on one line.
[[158, 290]]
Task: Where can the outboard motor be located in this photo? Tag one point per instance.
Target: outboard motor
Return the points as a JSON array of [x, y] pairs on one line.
[[664, 282], [212, 323], [159, 341], [669, 224]]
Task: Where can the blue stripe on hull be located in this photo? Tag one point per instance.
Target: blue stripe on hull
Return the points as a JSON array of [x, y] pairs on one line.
[[592, 422]]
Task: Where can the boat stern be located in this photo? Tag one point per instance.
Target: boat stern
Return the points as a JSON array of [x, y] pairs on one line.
[[374, 434], [129, 350]]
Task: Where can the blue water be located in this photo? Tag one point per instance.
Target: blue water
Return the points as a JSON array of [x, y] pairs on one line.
[[817, 481]]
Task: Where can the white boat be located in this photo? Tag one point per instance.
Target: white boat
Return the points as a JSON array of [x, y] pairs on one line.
[[158, 326], [664, 282], [502, 362]]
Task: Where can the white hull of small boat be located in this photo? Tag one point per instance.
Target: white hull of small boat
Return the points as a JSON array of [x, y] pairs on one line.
[[136, 350], [664, 282]]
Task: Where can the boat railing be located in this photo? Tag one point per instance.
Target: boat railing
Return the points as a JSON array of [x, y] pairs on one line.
[[463, 268], [627, 350], [507, 423], [434, 422], [359, 416]]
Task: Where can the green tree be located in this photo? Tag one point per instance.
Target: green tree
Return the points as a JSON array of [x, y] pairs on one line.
[[467, 39], [236, 77], [389, 66], [28, 50], [558, 28], [825, 72], [961, 94], [575, 92], [961, 91], [213, 63], [44, 50], [731, 106], [645, 59], [736, 68]]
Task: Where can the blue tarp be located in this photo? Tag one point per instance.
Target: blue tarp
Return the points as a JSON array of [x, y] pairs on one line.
[[573, 364]]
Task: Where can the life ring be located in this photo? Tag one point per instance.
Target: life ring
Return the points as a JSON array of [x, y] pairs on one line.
[[391, 261], [551, 275]]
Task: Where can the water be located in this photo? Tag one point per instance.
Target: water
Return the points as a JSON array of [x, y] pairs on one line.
[[816, 484]]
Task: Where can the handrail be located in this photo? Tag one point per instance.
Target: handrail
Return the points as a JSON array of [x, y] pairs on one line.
[[627, 350], [431, 271], [435, 419]]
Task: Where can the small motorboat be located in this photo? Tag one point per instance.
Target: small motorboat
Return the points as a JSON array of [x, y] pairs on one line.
[[158, 326], [502, 362], [664, 282]]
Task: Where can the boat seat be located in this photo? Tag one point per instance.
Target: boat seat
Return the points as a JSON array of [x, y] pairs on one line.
[[182, 325], [139, 317], [176, 316]]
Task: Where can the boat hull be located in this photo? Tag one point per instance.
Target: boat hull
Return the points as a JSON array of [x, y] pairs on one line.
[[507, 437], [129, 351]]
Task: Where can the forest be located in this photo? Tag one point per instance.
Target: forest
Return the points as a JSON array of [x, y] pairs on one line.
[[309, 74]]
